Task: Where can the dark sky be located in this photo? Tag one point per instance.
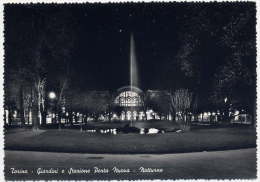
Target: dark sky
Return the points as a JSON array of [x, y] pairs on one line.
[[101, 32]]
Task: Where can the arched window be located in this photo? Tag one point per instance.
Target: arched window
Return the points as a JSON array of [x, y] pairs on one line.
[[128, 98]]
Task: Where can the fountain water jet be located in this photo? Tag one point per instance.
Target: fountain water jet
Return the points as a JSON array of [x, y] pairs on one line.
[[133, 64], [133, 69]]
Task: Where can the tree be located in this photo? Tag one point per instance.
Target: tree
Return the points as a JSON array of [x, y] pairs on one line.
[[146, 102], [90, 103], [31, 74], [30, 56], [39, 80], [61, 43], [12, 101], [47, 45], [158, 101], [231, 83], [28, 101], [233, 42], [181, 102], [98, 103], [236, 77]]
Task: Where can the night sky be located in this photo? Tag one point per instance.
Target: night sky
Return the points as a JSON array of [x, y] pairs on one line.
[[100, 54]]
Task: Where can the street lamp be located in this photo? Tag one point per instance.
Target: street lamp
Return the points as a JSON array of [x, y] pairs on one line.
[[225, 100], [52, 95], [226, 109]]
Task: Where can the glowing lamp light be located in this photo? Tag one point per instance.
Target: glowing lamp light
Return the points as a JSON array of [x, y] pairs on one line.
[[52, 95], [225, 100]]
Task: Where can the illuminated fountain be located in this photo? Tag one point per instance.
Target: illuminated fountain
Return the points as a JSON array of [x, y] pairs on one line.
[[129, 97]]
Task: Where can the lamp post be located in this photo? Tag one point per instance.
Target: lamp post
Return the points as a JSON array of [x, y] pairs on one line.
[[52, 97], [225, 109]]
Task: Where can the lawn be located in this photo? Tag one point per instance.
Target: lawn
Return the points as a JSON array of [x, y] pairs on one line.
[[66, 140]]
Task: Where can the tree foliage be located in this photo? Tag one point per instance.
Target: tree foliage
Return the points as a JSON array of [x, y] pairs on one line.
[[233, 57], [159, 102], [48, 46], [92, 103]]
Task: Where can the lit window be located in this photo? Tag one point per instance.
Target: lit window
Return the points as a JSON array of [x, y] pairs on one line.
[[128, 98]]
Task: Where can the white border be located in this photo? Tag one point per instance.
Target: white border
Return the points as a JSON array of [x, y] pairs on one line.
[[112, 1], [2, 91]]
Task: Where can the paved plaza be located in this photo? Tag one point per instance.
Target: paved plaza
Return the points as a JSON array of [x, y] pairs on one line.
[[207, 165]]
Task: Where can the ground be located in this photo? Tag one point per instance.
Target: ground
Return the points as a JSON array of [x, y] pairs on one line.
[[230, 164], [202, 153], [82, 142]]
